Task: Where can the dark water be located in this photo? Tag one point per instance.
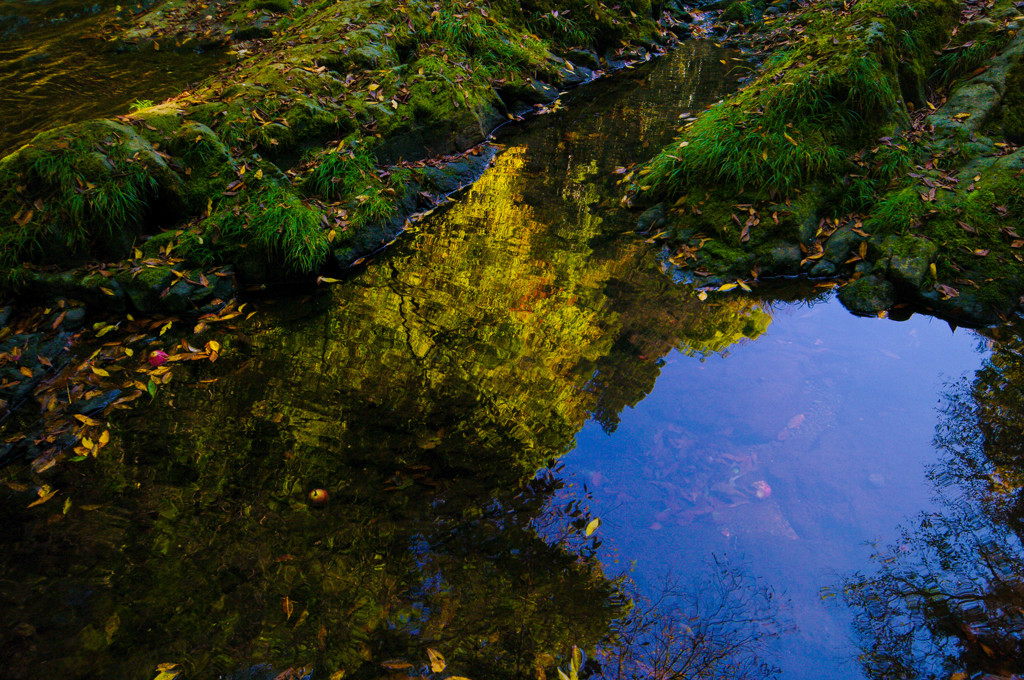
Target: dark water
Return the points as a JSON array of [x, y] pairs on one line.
[[750, 447], [56, 67]]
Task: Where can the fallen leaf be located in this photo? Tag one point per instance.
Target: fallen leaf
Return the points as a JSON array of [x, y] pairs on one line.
[[288, 606], [437, 662]]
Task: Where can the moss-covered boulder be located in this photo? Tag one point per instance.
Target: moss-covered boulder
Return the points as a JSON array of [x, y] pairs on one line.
[[868, 295]]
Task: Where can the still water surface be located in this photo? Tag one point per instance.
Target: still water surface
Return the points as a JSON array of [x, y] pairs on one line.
[[523, 327]]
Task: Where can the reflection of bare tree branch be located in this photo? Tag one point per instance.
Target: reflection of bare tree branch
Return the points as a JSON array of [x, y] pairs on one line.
[[948, 599], [716, 628]]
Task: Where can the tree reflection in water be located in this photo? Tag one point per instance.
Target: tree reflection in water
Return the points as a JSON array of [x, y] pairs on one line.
[[717, 628], [948, 599]]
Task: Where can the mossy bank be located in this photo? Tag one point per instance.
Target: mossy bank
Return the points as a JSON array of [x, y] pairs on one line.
[[877, 142], [335, 121]]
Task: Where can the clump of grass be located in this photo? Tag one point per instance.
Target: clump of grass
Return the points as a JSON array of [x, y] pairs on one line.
[[351, 176], [273, 223], [562, 29], [86, 183], [812, 106], [490, 43]]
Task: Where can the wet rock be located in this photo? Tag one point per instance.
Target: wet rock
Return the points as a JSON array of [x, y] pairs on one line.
[[586, 58], [95, 404], [74, 319], [5, 314], [823, 269], [868, 295], [842, 244], [570, 75], [530, 92], [910, 269], [905, 260], [976, 99], [782, 260], [965, 309], [653, 219]]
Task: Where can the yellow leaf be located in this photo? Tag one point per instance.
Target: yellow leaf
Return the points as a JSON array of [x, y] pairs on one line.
[[86, 420], [100, 372], [932, 271], [437, 662], [325, 279], [25, 371], [726, 286], [962, 116], [106, 329], [107, 291], [743, 285], [701, 295], [790, 139], [45, 493], [105, 438], [88, 443], [166, 327], [213, 345], [592, 527], [167, 675], [374, 87], [259, 174], [288, 606], [764, 155], [129, 351]]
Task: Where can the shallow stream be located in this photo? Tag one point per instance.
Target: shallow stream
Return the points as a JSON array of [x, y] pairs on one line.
[[752, 451]]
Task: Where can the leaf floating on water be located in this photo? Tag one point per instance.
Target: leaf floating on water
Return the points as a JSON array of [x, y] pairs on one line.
[[727, 286], [167, 671], [45, 493], [437, 662], [288, 606], [397, 665], [592, 527]]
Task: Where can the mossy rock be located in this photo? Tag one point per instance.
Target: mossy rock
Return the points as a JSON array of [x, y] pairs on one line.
[[905, 260], [1013, 104], [868, 295], [88, 191]]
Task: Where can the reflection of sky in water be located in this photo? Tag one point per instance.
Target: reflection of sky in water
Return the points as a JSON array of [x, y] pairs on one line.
[[833, 413]]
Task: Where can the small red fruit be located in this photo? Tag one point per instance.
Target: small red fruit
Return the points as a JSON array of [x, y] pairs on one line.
[[157, 358], [318, 498]]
